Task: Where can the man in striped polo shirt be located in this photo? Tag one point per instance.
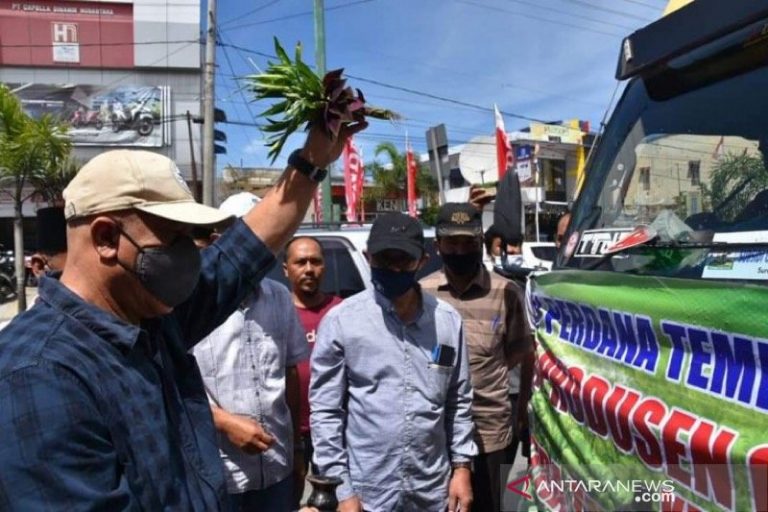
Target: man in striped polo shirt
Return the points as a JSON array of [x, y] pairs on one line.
[[498, 338]]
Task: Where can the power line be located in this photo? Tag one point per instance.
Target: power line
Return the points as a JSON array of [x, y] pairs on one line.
[[649, 6], [248, 13], [298, 15], [571, 14], [410, 91], [239, 89], [612, 11], [538, 18], [442, 98]]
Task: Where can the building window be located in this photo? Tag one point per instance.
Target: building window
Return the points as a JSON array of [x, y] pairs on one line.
[[553, 179], [694, 175], [645, 178]]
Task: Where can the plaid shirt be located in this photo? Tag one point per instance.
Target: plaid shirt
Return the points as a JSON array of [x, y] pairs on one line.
[[99, 414]]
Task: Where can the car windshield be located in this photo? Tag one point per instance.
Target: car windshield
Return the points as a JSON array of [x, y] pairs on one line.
[[692, 165]]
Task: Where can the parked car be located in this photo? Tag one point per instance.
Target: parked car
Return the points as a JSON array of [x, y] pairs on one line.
[[539, 254], [346, 267]]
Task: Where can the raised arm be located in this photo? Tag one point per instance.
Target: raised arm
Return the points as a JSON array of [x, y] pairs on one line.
[[276, 217]]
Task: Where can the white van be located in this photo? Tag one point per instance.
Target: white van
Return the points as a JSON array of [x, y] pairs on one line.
[[346, 268]]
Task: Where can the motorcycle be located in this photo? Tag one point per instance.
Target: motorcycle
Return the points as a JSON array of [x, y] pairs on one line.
[[136, 118], [7, 276], [87, 118]]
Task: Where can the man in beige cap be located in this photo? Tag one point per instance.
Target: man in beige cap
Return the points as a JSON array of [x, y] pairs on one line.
[[101, 407]]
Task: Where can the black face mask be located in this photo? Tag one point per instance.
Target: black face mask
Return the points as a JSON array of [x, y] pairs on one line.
[[171, 272], [463, 264], [392, 284]]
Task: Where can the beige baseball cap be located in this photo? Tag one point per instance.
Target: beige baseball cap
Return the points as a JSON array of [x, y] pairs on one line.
[[125, 179]]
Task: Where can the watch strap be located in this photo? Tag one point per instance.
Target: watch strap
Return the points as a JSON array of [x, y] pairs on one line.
[[305, 167]]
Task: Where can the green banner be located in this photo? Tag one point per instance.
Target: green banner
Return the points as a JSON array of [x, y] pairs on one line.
[[649, 393]]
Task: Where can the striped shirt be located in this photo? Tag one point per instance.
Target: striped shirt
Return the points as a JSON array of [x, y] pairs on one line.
[[492, 309]]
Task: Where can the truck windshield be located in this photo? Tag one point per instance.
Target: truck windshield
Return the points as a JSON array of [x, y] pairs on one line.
[[690, 164]]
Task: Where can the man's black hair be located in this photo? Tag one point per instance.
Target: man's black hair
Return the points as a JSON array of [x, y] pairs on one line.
[[300, 237], [489, 236]]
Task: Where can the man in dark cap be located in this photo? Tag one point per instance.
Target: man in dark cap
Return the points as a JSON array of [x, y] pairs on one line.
[[51, 241], [497, 336], [389, 393]]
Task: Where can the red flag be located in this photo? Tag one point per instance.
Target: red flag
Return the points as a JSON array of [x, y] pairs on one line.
[[502, 144], [360, 183], [411, 167], [353, 178]]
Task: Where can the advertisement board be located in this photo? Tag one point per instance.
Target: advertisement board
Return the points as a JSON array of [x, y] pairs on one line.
[[116, 115], [656, 402], [66, 33]]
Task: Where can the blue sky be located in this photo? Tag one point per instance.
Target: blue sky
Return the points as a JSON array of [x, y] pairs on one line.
[[544, 59]]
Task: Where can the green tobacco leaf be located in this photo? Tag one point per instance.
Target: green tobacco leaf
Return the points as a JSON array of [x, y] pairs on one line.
[[301, 97], [275, 109], [297, 52], [281, 52]]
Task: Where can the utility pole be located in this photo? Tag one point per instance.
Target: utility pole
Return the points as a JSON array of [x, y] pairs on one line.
[[195, 183], [209, 155], [438, 167], [320, 64]]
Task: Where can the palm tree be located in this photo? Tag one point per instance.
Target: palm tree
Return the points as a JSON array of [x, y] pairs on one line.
[[390, 180], [28, 148], [50, 183]]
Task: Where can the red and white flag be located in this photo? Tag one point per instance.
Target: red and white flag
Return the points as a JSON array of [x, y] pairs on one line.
[[502, 144], [317, 203], [353, 178], [411, 168], [360, 183]]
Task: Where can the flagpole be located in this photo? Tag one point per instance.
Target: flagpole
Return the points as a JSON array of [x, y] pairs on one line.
[[538, 199], [362, 188]]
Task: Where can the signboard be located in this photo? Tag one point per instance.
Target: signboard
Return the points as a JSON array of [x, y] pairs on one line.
[[594, 243], [649, 393], [62, 32], [555, 133], [524, 164], [740, 265], [122, 115]]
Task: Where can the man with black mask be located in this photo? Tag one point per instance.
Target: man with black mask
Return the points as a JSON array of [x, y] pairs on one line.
[[498, 338], [389, 394]]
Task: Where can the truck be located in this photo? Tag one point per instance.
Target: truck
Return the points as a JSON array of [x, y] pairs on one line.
[[651, 382]]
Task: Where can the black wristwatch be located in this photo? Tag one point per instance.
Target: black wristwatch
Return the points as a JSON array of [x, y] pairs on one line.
[[306, 168], [461, 465]]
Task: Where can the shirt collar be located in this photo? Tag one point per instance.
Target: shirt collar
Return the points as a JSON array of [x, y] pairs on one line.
[[105, 325], [389, 307], [481, 280]]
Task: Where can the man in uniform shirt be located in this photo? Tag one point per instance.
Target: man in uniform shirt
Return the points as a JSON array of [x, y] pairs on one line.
[[498, 339]]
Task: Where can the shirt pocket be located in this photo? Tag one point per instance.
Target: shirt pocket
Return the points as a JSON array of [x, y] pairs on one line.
[[439, 382], [483, 336]]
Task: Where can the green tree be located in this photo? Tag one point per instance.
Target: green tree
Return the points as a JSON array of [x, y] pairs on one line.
[[390, 181], [29, 148], [734, 181], [50, 183]]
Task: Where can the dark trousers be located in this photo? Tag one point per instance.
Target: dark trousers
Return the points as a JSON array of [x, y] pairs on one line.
[[309, 451], [275, 498], [487, 479], [524, 439]]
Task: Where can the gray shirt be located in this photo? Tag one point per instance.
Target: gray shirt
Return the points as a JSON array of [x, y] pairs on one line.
[[243, 366], [385, 416]]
